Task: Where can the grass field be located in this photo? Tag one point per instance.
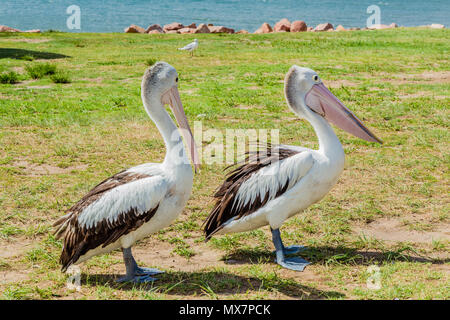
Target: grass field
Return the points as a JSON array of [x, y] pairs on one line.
[[71, 115]]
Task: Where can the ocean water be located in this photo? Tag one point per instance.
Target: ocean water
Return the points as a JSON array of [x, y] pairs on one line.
[[115, 15]]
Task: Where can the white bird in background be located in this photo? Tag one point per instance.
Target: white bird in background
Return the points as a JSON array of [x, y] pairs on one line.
[[271, 188], [190, 47], [141, 200]]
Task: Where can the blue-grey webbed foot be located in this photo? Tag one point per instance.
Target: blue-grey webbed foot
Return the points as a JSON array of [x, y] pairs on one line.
[[136, 274], [294, 263], [293, 249], [136, 279], [148, 271]]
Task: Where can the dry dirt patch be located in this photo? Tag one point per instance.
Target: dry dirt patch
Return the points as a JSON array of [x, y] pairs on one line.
[[39, 87], [93, 80], [27, 40], [191, 91], [18, 69], [438, 77], [340, 83], [12, 248], [393, 230], [12, 276], [249, 107], [161, 255], [419, 94], [97, 80], [34, 169]]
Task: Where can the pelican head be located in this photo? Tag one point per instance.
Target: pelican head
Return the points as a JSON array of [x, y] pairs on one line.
[[160, 87], [308, 97], [158, 80]]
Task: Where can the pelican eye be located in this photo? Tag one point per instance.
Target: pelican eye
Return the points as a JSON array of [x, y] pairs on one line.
[[176, 80], [316, 78]]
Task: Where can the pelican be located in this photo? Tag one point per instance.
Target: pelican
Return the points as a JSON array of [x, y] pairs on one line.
[[269, 189], [190, 47], [140, 200]]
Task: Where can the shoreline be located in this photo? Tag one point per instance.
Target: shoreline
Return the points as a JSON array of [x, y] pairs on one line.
[[284, 25]]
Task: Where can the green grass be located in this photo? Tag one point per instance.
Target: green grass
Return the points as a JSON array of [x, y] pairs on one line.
[[389, 208], [38, 71], [9, 77], [150, 61], [60, 77]]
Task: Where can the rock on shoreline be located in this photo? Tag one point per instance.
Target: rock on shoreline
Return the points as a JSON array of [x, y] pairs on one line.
[[134, 29], [324, 27], [174, 26], [9, 29], [202, 28], [299, 26], [154, 27], [220, 29], [265, 28], [284, 25]]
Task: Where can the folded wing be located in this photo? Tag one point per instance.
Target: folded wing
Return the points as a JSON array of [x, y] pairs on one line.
[[113, 208], [250, 186]]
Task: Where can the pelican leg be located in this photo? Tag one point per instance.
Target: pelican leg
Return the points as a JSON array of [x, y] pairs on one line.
[[294, 263], [133, 272], [290, 249]]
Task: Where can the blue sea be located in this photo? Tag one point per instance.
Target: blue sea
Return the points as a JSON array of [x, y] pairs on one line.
[[115, 15]]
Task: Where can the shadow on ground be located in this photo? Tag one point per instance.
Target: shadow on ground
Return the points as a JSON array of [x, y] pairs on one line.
[[334, 255], [211, 283], [19, 54]]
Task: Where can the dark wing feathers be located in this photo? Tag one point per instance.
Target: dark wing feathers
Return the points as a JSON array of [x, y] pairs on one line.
[[224, 208], [78, 239]]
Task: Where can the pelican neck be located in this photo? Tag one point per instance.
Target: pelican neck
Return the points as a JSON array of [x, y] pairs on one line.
[[329, 143], [169, 131]]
